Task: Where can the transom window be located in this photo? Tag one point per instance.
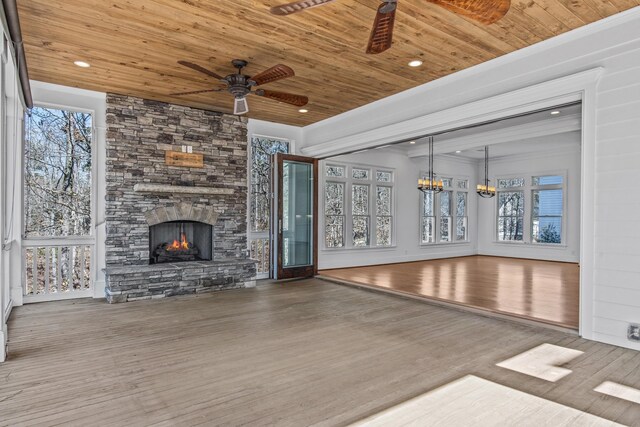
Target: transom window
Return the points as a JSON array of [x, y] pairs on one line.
[[358, 206], [444, 215]]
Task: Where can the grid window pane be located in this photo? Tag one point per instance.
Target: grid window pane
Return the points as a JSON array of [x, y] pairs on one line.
[[334, 171], [447, 182], [510, 215], [360, 231], [383, 201], [334, 198], [445, 203], [358, 173], [461, 228], [546, 220], [511, 182], [547, 180], [383, 231], [334, 231], [445, 229], [461, 204], [383, 176], [462, 184], [360, 199], [427, 204], [428, 229]]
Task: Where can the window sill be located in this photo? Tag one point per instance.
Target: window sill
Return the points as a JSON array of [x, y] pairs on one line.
[[359, 248], [532, 245], [427, 245]]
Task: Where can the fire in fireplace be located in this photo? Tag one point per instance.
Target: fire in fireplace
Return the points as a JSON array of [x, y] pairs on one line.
[[177, 241]]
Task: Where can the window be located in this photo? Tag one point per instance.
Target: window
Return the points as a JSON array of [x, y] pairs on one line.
[[57, 180], [461, 216], [444, 215], [360, 214], [383, 216], [547, 207], [358, 202], [510, 215], [334, 214], [428, 218]]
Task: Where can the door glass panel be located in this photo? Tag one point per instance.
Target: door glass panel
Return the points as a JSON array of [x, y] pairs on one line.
[[297, 215]]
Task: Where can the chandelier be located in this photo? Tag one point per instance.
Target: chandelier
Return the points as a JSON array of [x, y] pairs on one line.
[[429, 182], [484, 190]]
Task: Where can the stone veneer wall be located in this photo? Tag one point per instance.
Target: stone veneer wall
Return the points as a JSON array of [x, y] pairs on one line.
[[138, 133]]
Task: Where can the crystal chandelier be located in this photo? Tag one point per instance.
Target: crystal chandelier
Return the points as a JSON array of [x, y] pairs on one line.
[[484, 190], [429, 182]]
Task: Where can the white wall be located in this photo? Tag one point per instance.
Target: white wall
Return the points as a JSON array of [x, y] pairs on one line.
[[11, 120], [613, 44], [406, 212], [556, 162], [47, 94]]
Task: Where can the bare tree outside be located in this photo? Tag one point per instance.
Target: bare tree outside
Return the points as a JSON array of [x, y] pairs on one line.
[[57, 199], [57, 173]]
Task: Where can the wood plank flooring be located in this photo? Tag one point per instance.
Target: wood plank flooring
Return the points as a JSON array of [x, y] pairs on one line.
[[536, 290], [292, 354]]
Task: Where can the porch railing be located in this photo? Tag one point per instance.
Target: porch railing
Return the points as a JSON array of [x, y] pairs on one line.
[[57, 268]]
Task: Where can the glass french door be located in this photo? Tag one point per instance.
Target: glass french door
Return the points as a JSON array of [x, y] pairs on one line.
[[295, 223]]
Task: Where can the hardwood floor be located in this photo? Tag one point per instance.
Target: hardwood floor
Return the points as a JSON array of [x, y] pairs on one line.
[[537, 290], [294, 354]]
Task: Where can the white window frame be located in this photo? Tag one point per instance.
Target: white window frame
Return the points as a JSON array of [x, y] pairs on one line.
[[454, 189], [348, 182], [528, 189]]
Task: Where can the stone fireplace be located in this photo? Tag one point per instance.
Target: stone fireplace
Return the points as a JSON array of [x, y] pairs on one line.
[[173, 229]]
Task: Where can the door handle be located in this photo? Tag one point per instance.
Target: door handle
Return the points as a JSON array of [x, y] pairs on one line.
[[279, 226]]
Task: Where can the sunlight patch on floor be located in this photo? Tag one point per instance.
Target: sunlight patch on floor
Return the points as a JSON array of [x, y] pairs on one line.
[[475, 401], [542, 362]]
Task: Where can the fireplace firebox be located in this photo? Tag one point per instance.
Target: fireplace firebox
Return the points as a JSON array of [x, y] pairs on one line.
[[177, 241]]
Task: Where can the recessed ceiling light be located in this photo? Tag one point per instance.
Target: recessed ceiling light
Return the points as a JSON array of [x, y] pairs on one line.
[[555, 112], [458, 151], [82, 64], [415, 63], [412, 142], [303, 110]]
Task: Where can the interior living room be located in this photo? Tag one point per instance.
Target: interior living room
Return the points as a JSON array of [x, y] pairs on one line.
[[352, 212]]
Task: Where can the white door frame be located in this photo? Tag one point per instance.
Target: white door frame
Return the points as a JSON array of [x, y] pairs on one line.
[[572, 88]]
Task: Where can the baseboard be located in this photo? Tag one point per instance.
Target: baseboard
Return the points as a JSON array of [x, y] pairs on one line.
[[4, 349], [7, 311]]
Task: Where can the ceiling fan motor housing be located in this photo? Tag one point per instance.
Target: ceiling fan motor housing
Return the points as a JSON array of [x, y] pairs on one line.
[[239, 85]]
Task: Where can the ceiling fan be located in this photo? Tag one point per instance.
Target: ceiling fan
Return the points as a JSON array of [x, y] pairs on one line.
[[239, 85], [484, 11]]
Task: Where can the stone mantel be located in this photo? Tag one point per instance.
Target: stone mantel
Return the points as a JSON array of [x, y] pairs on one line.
[[180, 189]]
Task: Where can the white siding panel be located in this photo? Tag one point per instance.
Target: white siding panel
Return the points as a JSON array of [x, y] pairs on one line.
[[617, 295], [624, 279]]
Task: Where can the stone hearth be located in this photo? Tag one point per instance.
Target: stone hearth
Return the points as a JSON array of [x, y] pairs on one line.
[[143, 190]]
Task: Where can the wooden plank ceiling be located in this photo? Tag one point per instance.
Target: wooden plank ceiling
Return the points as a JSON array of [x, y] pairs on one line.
[[133, 46]]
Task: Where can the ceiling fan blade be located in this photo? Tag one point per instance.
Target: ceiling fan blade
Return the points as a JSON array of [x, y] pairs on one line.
[[197, 67], [382, 31], [484, 11], [275, 73], [288, 98], [297, 6], [196, 91]]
